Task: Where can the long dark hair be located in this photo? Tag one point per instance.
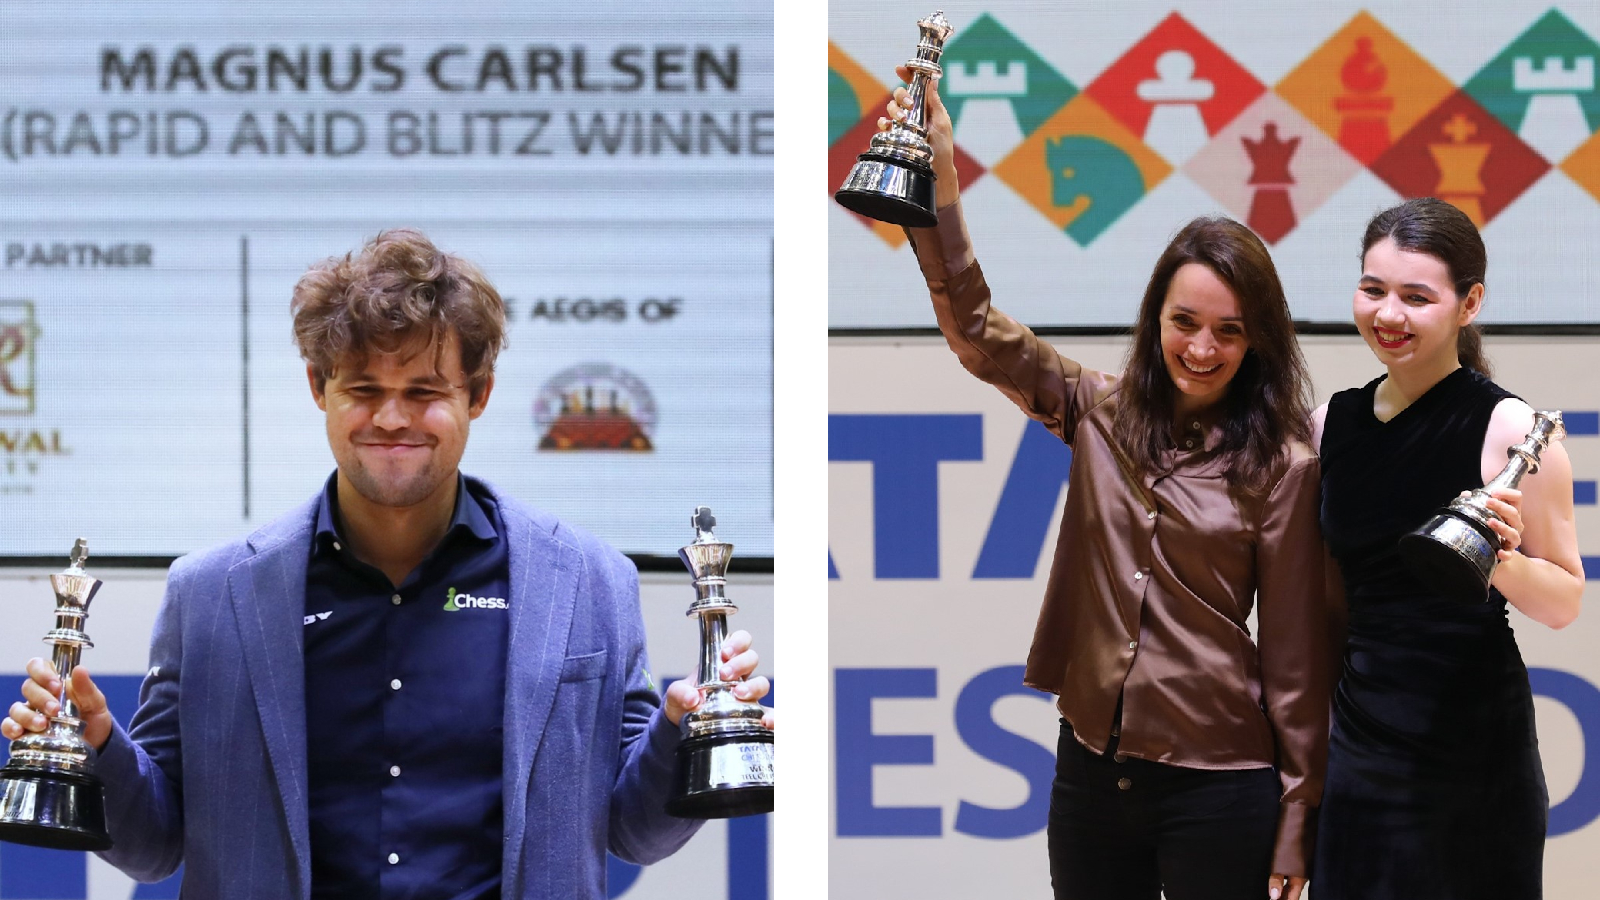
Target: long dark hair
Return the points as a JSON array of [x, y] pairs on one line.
[[1434, 227], [1269, 399]]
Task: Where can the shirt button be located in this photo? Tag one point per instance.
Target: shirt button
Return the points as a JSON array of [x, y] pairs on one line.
[[1133, 645], [1189, 443], [1118, 757], [1150, 515], [395, 771], [1195, 425], [336, 546], [1137, 576], [395, 599], [395, 857], [395, 684], [1123, 783]]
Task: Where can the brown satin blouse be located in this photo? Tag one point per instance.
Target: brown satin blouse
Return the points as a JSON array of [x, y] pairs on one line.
[[1156, 572]]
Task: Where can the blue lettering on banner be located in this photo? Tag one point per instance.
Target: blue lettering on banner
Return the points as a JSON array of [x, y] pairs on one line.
[[858, 750], [905, 452], [1582, 699], [977, 727], [34, 873], [1584, 423], [1021, 521], [1583, 493], [1580, 424]]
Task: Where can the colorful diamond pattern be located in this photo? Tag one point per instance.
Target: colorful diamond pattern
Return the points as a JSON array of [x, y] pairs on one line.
[[1364, 87], [1543, 86], [1175, 88], [1082, 169], [1363, 98], [1462, 155], [1271, 167]]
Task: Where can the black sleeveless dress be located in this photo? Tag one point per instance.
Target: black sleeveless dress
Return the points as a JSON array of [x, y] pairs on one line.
[[1435, 789]]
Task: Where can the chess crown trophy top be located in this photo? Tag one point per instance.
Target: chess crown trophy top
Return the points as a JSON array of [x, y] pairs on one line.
[[707, 560], [1547, 428], [73, 586], [1522, 458]]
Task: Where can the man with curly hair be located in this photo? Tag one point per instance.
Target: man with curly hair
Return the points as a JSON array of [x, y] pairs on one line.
[[413, 685]]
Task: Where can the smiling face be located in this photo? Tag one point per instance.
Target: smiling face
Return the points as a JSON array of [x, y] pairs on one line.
[[1203, 340], [1407, 309], [397, 423]]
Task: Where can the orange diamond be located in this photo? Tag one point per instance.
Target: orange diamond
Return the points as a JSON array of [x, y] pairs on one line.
[[1365, 87]]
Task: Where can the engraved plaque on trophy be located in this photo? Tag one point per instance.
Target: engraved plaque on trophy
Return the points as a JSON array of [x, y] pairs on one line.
[[1455, 552], [49, 797], [725, 760], [893, 181]]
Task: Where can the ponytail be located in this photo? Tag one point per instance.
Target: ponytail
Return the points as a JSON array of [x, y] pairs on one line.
[[1469, 350]]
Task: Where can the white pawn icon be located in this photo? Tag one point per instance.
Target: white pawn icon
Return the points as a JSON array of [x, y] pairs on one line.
[[1176, 129]]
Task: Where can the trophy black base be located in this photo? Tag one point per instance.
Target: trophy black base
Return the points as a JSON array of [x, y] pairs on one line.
[[723, 776], [890, 190], [58, 810], [1453, 555]]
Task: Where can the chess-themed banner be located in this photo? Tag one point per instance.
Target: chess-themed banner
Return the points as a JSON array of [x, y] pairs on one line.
[[170, 169], [1086, 137], [944, 504], [727, 860]]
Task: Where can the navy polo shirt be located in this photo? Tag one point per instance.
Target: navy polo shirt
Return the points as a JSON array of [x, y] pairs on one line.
[[405, 691]]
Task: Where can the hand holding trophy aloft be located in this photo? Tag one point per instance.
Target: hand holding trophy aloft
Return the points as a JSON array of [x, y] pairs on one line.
[[894, 181], [1456, 551], [49, 795]]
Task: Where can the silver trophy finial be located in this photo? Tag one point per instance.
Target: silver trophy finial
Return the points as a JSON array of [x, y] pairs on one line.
[[80, 553], [703, 521]]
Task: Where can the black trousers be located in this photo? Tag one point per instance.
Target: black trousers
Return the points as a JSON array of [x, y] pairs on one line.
[[1132, 829]]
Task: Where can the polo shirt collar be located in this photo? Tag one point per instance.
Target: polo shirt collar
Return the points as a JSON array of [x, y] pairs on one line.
[[470, 516]]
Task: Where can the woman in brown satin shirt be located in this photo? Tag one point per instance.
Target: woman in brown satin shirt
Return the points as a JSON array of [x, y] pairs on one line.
[[1191, 758]]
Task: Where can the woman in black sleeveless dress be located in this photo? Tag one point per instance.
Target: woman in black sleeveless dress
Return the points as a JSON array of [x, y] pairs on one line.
[[1434, 786]]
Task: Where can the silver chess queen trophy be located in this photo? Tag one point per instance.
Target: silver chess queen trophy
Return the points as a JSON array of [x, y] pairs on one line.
[[725, 760], [1455, 551], [893, 181], [49, 797]]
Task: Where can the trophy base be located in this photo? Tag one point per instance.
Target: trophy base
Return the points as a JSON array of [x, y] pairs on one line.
[[1453, 555], [890, 190], [58, 810], [722, 776]]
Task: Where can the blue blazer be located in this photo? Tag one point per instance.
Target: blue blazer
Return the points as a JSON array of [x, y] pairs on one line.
[[212, 770]]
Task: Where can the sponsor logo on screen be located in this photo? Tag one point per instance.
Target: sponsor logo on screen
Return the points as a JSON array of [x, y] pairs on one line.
[[23, 443], [18, 333], [595, 406], [1177, 101]]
